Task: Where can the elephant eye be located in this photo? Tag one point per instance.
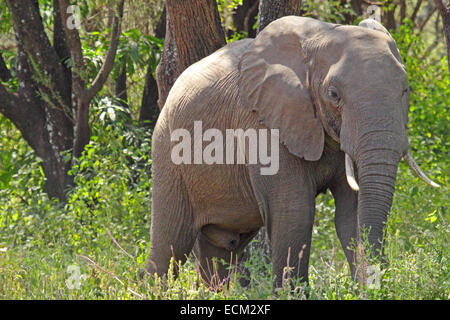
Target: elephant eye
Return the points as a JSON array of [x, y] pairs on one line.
[[333, 94]]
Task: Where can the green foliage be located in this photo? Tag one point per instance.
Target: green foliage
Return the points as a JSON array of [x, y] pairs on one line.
[[226, 8], [224, 5], [332, 11], [138, 51], [10, 60], [112, 193], [237, 36], [113, 183], [430, 96], [5, 18]]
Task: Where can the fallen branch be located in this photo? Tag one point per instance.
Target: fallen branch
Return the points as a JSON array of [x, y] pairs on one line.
[[111, 274], [117, 244]]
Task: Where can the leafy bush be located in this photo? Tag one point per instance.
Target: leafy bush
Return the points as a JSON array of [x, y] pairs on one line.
[[112, 192]]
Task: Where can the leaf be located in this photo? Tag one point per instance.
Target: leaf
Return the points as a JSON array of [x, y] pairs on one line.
[[431, 217], [133, 34], [134, 52], [111, 113]]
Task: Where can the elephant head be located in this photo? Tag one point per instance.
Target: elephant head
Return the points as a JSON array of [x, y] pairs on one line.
[[318, 82]]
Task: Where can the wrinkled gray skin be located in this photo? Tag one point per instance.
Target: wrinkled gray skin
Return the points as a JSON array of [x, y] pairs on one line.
[[330, 90]]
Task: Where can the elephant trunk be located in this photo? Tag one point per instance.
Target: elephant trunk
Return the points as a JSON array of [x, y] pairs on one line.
[[377, 171]]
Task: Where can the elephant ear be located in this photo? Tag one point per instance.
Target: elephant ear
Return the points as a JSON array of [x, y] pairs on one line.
[[272, 82]]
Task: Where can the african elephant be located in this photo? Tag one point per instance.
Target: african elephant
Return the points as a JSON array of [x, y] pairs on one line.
[[335, 96]]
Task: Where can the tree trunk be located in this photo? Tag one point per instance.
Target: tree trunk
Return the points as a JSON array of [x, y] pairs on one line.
[[193, 31], [43, 109], [270, 10], [445, 14], [245, 16], [402, 11], [167, 70], [149, 106], [389, 17], [348, 16], [416, 11], [356, 6]]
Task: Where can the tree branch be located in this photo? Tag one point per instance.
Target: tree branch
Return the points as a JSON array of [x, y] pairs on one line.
[[376, 3], [28, 118], [428, 17], [445, 14], [74, 44], [108, 64], [30, 32], [416, 11], [402, 11], [85, 95], [440, 5], [436, 39], [389, 16], [251, 13]]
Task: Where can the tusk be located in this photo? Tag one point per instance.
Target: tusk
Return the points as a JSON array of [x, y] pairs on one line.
[[419, 172], [350, 173]]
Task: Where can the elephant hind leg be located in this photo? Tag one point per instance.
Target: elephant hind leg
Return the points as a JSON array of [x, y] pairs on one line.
[[172, 228]]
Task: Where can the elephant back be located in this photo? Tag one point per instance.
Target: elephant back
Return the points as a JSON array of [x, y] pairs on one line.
[[202, 84]]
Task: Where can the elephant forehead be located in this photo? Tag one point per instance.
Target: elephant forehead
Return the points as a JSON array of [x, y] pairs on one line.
[[363, 41]]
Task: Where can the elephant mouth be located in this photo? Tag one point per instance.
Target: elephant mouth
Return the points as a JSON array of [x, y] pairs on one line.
[[352, 180]]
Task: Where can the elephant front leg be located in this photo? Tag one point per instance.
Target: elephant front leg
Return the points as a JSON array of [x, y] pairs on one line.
[[346, 222], [287, 206], [290, 228]]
